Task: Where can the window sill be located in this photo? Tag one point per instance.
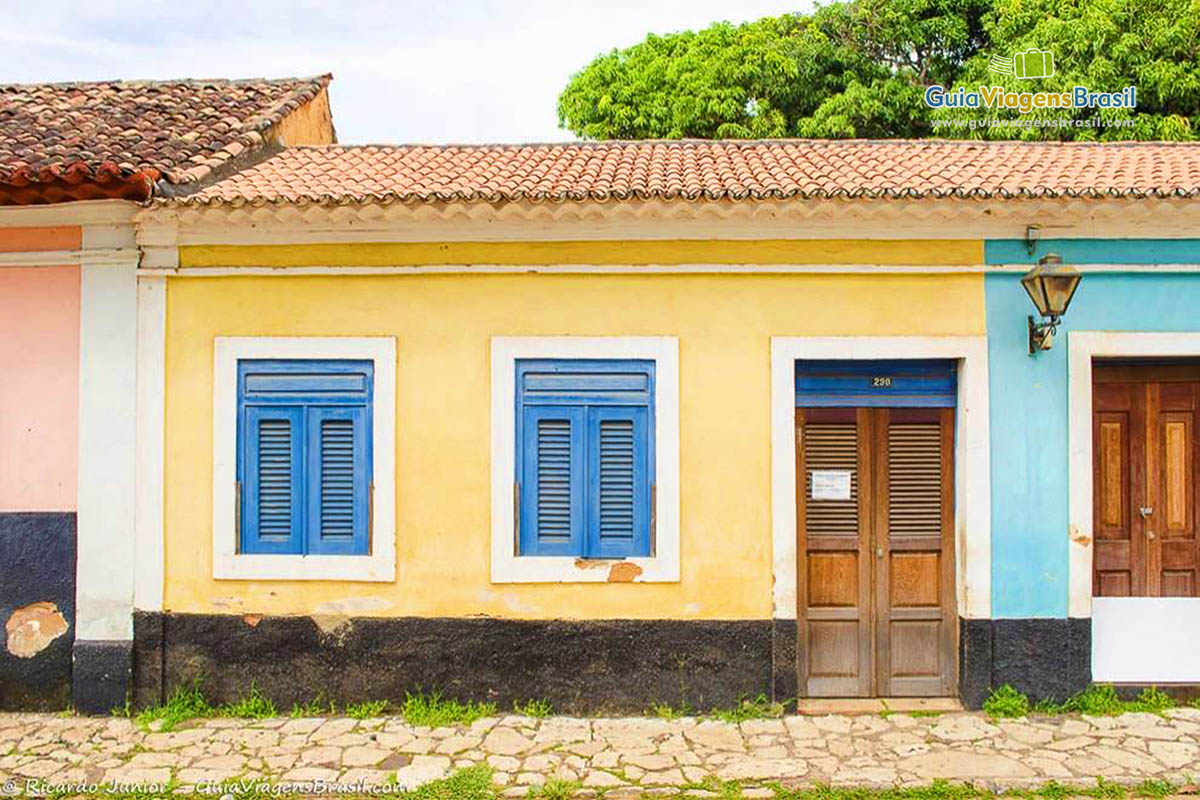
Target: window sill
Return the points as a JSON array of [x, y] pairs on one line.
[[568, 569], [238, 567]]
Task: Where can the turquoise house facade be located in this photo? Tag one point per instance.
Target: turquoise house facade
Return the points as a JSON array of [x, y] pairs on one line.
[[1060, 518]]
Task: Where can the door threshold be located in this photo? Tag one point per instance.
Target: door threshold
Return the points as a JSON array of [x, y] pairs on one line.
[[819, 706]]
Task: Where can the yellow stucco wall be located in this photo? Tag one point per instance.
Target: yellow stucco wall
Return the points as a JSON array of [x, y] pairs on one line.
[[442, 324]]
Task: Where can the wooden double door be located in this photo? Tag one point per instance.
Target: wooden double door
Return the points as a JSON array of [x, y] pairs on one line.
[[1144, 479], [875, 578]]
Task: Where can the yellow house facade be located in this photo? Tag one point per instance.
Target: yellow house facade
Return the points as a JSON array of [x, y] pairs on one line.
[[454, 282], [443, 327]]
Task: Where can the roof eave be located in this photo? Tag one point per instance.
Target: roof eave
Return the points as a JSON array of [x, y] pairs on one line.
[[137, 187]]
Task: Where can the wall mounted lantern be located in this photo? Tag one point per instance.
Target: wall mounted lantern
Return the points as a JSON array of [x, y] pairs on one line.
[[1050, 285]]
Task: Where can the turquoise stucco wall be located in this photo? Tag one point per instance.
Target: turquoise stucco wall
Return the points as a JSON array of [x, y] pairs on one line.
[[1029, 401]]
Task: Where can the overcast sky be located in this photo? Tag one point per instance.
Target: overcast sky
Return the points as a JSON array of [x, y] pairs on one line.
[[410, 71]]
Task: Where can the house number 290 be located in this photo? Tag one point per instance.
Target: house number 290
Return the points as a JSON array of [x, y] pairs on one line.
[[881, 381]]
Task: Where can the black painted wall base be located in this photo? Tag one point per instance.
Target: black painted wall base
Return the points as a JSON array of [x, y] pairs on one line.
[[1044, 658], [783, 660], [581, 667], [149, 659], [604, 666], [101, 676], [37, 578]]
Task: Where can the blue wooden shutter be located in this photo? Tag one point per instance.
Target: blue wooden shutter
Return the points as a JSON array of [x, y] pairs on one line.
[[551, 504], [585, 458], [272, 480], [338, 480], [304, 456], [619, 505]]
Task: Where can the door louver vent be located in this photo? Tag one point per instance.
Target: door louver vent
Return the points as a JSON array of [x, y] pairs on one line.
[[831, 446], [914, 479]]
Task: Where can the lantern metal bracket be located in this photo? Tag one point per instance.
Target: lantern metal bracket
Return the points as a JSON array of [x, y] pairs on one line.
[[1032, 234], [1041, 334]]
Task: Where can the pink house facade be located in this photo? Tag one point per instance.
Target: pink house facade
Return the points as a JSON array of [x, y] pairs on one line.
[[39, 418], [69, 289]]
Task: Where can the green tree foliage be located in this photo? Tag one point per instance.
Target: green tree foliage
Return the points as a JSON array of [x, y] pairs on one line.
[[859, 68], [1104, 45], [725, 81]]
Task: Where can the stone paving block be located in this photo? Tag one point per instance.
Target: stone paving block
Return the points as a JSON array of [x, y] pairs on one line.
[[1173, 754], [597, 777], [323, 755], [361, 756], [965, 766], [752, 768], [963, 728]]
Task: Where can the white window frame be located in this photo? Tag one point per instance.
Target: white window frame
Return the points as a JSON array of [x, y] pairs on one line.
[[228, 564], [507, 565], [972, 464]]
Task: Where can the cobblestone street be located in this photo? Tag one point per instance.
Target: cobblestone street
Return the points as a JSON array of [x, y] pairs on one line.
[[614, 757]]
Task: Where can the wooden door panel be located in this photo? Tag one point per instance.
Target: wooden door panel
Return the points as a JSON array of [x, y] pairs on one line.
[[915, 630], [835, 662], [1144, 481], [1178, 583], [832, 579], [1176, 465], [1113, 553], [916, 580], [1175, 527], [875, 571], [833, 588], [1111, 562], [1112, 520], [1116, 439], [1175, 396], [1178, 554], [916, 657]]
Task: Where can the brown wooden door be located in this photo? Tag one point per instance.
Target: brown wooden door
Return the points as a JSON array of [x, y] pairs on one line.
[[1144, 481], [875, 577]]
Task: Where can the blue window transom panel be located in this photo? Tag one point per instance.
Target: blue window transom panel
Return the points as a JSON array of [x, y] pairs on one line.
[[898, 383], [304, 456], [585, 457]]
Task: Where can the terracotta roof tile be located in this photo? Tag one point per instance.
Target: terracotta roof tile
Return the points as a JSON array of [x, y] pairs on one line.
[[710, 170], [179, 131]]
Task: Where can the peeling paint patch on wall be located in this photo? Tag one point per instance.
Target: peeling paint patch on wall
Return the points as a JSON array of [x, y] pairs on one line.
[[623, 572], [30, 629]]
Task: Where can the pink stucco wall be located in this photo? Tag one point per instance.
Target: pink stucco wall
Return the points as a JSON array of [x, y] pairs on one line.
[[39, 387]]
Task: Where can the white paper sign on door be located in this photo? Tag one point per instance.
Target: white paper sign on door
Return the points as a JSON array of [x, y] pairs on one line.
[[830, 484]]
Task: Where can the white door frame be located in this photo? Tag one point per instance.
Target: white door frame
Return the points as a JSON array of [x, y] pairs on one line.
[[972, 467]]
